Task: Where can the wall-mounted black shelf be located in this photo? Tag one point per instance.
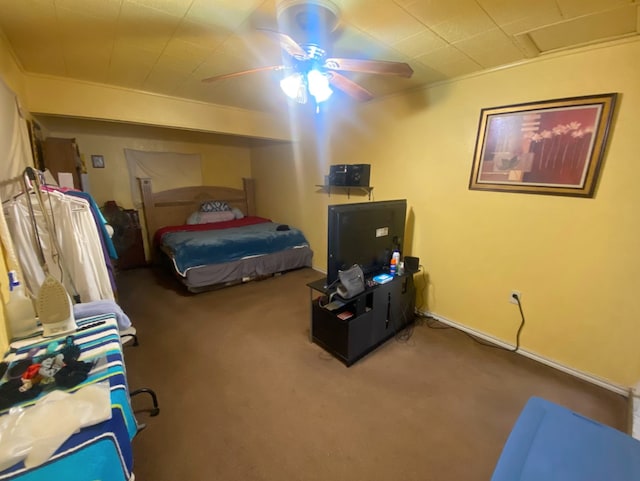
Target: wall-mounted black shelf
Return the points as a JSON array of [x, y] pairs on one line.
[[342, 188]]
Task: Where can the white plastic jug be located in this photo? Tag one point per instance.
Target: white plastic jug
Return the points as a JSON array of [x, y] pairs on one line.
[[20, 312]]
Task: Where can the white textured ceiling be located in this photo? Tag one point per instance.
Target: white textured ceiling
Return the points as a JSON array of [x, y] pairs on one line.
[[169, 46]]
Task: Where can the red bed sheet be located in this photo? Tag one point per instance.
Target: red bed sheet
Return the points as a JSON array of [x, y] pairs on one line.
[[248, 220]]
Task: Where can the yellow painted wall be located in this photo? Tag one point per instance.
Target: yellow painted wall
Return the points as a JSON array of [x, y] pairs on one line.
[[288, 179], [221, 164], [281, 187], [573, 259], [58, 96]]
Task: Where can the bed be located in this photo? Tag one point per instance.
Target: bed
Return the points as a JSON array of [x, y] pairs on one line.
[[205, 255]]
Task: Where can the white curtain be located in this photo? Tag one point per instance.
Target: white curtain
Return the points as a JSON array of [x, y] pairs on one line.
[[167, 170], [15, 147], [15, 155]]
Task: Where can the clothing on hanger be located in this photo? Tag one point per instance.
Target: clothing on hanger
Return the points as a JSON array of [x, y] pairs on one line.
[[101, 222], [77, 235], [108, 249]]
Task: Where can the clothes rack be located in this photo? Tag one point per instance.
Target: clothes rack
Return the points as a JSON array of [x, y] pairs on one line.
[[85, 267]]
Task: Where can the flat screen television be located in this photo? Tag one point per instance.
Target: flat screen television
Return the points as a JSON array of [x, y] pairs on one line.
[[365, 234]]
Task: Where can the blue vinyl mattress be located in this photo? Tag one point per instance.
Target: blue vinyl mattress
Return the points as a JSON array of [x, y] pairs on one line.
[[552, 443], [194, 249]]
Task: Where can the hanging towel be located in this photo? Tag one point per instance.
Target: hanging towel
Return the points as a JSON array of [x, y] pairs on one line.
[[95, 308]]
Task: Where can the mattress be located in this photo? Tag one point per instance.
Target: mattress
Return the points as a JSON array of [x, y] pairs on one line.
[[235, 272], [552, 443], [231, 253]]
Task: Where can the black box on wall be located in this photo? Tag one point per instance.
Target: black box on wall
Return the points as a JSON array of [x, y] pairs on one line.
[[350, 175]]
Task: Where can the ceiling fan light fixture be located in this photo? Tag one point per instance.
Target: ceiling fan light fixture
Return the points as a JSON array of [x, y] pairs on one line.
[[305, 33], [292, 85], [319, 85]]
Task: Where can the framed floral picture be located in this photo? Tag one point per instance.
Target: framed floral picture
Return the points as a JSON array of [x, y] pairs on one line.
[[551, 147], [97, 161]]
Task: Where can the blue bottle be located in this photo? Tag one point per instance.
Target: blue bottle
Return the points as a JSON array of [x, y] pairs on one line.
[[393, 265]]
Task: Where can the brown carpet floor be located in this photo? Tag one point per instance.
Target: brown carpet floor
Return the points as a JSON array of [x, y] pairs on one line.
[[245, 396]]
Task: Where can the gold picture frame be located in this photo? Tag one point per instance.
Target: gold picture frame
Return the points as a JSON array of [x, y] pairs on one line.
[[553, 147]]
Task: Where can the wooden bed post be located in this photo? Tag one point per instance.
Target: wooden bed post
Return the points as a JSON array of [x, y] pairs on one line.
[[148, 209], [250, 193]]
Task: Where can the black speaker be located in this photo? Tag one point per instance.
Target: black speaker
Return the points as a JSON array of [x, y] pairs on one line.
[[338, 175], [411, 264], [358, 175], [350, 175]]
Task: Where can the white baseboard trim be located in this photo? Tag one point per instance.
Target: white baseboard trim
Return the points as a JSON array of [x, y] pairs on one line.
[[634, 413], [532, 355]]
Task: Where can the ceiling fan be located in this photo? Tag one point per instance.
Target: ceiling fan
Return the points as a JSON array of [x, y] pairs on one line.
[[308, 70]]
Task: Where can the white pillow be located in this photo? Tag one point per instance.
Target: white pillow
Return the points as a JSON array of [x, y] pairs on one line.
[[211, 217], [194, 218], [220, 216], [237, 213]]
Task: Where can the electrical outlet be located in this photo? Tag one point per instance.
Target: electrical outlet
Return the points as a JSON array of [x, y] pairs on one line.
[[515, 296]]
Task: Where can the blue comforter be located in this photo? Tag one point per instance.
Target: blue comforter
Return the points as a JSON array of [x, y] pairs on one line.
[[193, 249]]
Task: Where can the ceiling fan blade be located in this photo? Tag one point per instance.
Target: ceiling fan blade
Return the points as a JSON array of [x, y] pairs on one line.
[[288, 44], [244, 72], [370, 66], [349, 87]]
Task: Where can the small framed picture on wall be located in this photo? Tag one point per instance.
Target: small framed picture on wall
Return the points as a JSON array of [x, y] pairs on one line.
[[97, 161]]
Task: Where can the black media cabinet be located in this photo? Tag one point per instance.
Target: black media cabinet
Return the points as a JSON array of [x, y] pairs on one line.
[[377, 315]]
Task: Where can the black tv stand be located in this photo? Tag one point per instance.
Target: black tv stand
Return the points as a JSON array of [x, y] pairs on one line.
[[364, 322]]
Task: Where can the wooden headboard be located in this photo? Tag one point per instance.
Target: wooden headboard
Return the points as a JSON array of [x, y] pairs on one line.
[[173, 206]]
